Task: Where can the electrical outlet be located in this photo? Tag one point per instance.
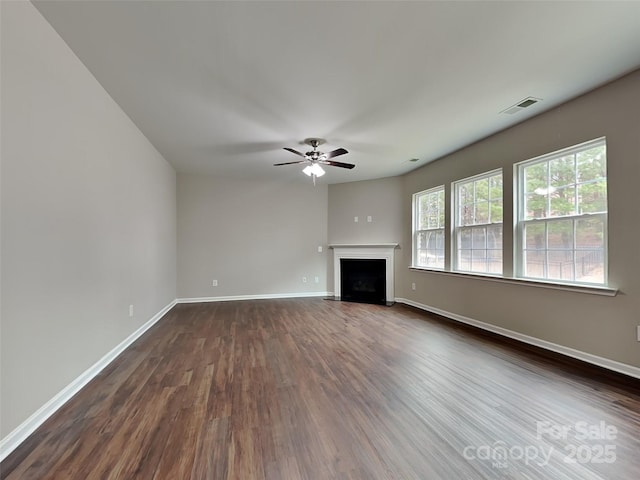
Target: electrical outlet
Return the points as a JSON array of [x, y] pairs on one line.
[[369, 218], [304, 279], [316, 279], [355, 219], [413, 286], [319, 248], [214, 283], [131, 310]]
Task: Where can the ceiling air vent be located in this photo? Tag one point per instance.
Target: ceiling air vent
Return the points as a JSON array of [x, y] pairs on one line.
[[522, 104]]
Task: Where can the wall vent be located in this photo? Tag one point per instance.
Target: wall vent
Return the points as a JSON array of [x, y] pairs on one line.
[[522, 104]]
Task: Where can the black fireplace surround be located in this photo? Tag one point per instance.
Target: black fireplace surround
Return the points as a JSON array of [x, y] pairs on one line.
[[363, 280]]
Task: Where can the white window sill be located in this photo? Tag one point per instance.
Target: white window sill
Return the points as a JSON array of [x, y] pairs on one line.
[[569, 287]]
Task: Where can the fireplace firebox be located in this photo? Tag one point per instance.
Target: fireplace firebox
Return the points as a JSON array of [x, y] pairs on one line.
[[363, 280]]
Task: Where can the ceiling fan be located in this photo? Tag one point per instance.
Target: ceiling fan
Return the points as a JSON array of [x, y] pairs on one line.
[[316, 158]]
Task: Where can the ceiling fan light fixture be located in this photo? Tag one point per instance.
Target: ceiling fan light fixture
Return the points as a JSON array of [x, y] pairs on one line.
[[317, 170], [313, 169]]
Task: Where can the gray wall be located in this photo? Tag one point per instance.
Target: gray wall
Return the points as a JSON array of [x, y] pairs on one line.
[[598, 325], [254, 237], [88, 218], [382, 200]]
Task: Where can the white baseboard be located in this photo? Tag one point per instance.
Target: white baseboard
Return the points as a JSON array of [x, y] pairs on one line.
[[9, 443], [570, 352], [253, 297]]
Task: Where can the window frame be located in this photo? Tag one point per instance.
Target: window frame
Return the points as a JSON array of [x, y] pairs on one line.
[[456, 227], [520, 222], [415, 199]]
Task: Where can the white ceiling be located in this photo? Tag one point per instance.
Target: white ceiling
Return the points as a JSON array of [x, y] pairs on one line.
[[221, 87]]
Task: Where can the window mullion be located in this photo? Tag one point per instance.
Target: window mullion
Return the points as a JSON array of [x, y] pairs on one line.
[[574, 247], [576, 208], [545, 270]]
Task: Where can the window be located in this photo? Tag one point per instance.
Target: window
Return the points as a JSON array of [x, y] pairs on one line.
[[562, 215], [428, 228], [478, 224]]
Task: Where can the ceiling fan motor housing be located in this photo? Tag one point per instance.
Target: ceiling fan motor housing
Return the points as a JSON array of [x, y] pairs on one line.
[[315, 155]]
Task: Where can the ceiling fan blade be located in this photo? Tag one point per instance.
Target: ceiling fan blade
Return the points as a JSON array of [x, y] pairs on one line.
[[337, 164], [289, 163], [336, 152], [294, 151]]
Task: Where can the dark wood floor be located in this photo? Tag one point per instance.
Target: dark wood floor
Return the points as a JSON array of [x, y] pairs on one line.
[[317, 389]]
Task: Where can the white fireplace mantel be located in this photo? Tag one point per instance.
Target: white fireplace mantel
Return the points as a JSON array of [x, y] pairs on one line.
[[370, 251]]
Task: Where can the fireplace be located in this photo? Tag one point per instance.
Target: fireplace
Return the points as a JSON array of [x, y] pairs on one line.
[[363, 280]]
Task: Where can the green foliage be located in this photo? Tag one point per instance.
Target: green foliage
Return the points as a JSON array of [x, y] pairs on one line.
[[480, 201], [568, 185]]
